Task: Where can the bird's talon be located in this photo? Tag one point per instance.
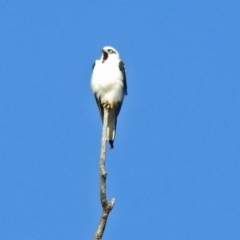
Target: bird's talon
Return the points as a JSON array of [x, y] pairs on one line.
[[108, 105]]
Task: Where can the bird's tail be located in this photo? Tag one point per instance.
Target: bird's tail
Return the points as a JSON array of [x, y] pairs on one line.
[[111, 126]]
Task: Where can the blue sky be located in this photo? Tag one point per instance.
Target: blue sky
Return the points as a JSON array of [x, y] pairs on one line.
[[174, 171]]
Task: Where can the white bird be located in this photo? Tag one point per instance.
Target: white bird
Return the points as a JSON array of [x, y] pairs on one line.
[[109, 86]]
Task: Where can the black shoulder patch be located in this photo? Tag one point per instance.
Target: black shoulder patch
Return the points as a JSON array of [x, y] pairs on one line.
[[121, 66], [93, 66], [122, 69]]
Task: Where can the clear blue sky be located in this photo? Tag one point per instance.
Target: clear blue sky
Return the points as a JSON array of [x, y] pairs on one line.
[[175, 169]]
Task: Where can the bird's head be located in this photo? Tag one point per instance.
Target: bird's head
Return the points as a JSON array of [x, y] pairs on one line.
[[109, 53]]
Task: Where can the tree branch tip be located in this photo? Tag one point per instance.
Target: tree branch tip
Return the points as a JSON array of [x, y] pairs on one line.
[[113, 201]]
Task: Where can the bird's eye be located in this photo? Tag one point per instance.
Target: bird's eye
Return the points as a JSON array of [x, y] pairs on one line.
[[110, 51]]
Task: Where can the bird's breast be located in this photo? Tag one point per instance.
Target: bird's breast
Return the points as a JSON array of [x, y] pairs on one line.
[[107, 82], [106, 77]]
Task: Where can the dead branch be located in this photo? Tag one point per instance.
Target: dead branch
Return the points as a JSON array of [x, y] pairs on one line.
[[106, 206]]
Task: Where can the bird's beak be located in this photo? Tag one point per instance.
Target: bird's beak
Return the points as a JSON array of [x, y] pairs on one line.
[[105, 56]]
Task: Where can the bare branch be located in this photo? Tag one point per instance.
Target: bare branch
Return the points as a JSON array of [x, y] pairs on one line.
[[106, 206]]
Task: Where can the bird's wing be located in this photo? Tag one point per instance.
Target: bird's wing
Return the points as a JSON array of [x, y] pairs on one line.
[[100, 106], [122, 69]]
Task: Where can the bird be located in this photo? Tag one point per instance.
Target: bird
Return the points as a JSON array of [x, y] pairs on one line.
[[109, 86]]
